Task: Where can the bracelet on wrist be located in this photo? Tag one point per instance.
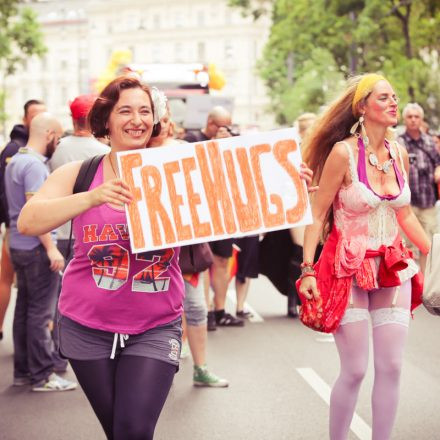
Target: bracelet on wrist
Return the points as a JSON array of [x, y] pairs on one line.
[[306, 264], [307, 274], [307, 269]]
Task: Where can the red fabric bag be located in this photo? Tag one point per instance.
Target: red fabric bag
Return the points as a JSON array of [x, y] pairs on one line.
[[325, 313]]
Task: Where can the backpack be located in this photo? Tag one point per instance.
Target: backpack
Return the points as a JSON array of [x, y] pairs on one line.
[[6, 154]]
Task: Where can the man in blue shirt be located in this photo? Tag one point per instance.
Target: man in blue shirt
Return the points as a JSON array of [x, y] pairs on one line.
[[19, 138], [36, 261]]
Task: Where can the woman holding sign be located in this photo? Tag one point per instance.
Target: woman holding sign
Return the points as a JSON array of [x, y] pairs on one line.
[[120, 323], [363, 199]]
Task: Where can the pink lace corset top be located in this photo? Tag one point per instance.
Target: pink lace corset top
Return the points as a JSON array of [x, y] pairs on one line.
[[365, 219]]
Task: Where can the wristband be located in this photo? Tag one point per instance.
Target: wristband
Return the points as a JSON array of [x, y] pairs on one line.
[[307, 274]]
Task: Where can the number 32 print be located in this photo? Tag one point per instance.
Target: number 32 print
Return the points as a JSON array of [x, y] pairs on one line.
[[111, 268]]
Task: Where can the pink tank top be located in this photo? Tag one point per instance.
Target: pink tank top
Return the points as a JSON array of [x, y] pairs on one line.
[[107, 287]]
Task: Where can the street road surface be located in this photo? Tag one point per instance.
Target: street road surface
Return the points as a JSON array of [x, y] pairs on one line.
[[280, 375]]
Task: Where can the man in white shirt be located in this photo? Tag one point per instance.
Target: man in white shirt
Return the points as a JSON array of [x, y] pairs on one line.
[[79, 146]]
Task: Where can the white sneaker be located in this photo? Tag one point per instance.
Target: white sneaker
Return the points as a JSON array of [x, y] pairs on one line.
[[54, 383]]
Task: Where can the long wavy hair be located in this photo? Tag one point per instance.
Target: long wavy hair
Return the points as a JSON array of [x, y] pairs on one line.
[[331, 127]]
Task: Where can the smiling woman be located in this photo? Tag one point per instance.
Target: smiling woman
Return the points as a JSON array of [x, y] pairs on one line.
[[131, 120], [121, 329]]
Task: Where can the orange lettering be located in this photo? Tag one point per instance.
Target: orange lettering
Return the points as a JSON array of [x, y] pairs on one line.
[[155, 207], [200, 229], [123, 232], [280, 151], [108, 233], [183, 231], [128, 162], [90, 233], [277, 218], [248, 214], [215, 188]]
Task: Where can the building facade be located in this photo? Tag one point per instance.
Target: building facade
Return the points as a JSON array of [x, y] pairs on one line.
[[81, 36]]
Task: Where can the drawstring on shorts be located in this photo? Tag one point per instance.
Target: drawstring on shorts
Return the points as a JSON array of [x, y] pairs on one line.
[[122, 338]]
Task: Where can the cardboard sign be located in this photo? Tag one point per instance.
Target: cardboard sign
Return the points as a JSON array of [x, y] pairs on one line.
[[233, 187]]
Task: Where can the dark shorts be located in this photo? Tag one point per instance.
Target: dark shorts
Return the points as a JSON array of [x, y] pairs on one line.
[[222, 248], [247, 258], [84, 343]]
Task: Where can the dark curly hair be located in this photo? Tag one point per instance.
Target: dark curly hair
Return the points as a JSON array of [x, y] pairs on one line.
[[103, 106]]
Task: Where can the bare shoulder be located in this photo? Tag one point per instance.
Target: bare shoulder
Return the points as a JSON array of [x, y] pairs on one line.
[[403, 153], [61, 181], [340, 150]]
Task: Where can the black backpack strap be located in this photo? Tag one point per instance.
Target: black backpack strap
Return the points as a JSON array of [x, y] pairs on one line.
[[87, 173], [83, 181]]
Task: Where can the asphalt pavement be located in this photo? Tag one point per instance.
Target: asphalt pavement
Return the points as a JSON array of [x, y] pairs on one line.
[[280, 375]]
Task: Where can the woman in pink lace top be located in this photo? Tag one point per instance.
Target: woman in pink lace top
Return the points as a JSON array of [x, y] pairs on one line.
[[362, 200]]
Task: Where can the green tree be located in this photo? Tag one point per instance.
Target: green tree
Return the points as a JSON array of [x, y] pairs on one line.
[[322, 41], [20, 38]]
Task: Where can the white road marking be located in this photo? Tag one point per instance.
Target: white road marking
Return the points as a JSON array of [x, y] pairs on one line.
[[233, 299], [325, 340], [358, 426], [325, 337]]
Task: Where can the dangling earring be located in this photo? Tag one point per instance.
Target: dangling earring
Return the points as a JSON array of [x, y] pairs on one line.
[[363, 133]]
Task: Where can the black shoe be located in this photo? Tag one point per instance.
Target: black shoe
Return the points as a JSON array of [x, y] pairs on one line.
[[227, 320], [292, 306], [211, 322], [244, 314], [1, 336], [293, 312]]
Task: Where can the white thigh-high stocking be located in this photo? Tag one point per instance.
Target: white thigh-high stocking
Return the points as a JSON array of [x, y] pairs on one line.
[[352, 343], [390, 329]]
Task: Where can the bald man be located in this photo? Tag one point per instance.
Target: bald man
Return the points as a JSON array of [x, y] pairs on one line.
[[36, 261], [217, 117]]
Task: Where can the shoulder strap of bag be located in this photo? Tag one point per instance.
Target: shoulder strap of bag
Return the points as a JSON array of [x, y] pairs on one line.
[[87, 173], [429, 154], [83, 181]]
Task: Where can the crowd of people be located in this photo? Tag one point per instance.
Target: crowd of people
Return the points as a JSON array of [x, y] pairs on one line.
[[62, 204]]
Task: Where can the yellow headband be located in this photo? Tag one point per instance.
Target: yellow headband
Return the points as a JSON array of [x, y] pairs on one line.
[[364, 87]]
